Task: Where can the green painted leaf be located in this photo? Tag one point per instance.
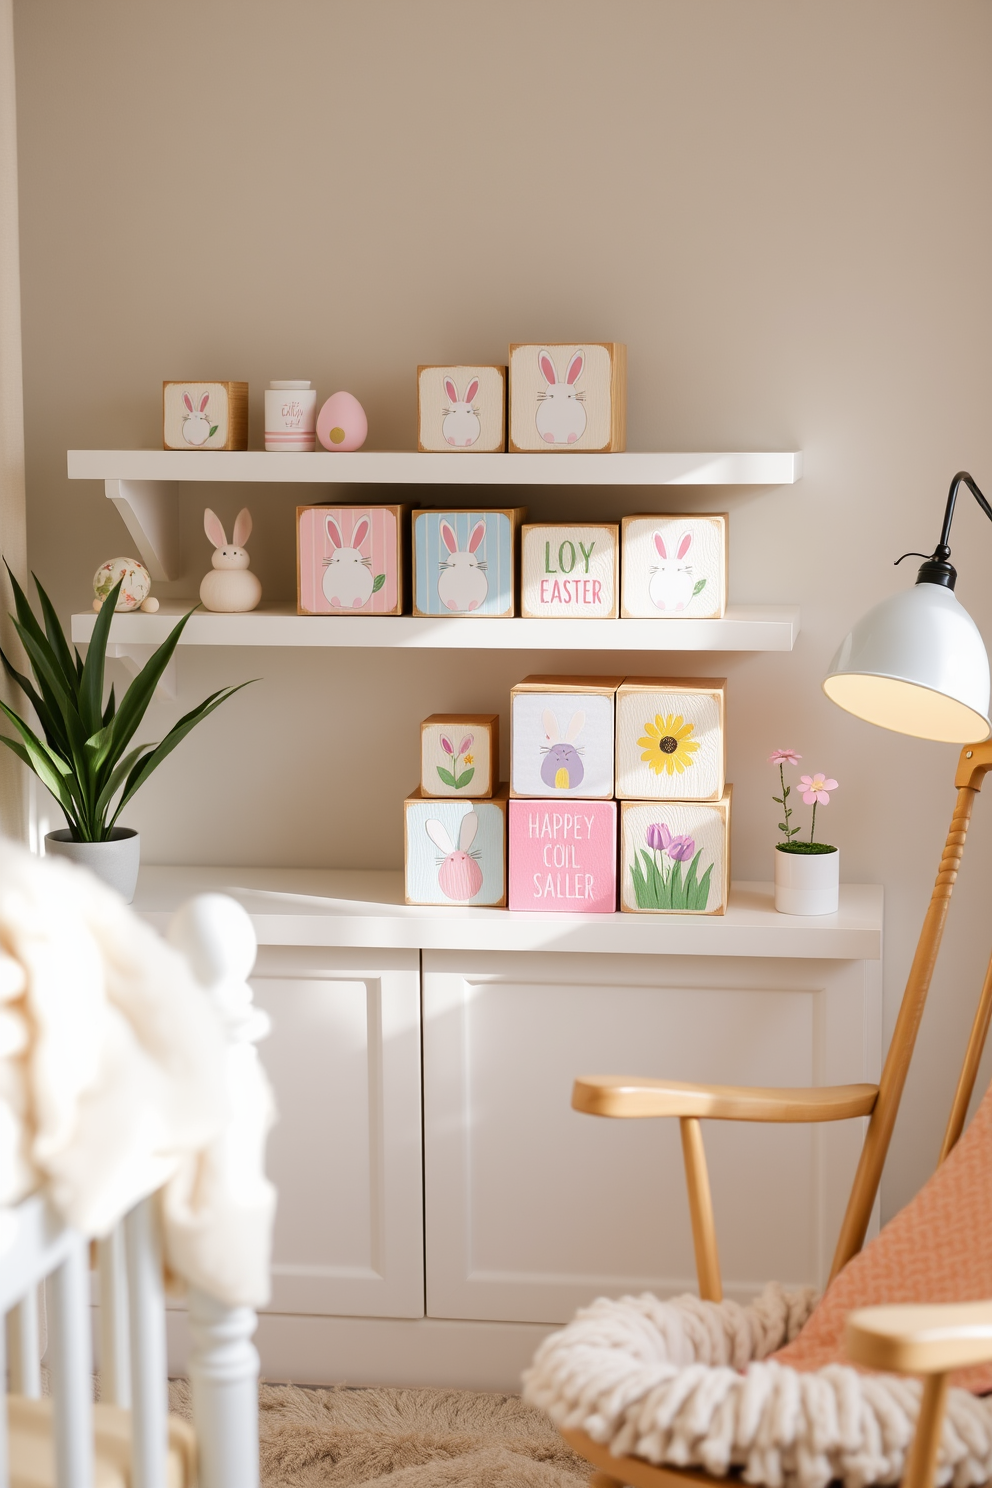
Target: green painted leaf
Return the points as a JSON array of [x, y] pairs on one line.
[[700, 586], [464, 778], [213, 430], [447, 777], [380, 579], [702, 892]]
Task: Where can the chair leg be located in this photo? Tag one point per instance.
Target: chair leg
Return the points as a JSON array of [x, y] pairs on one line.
[[701, 1210], [922, 1459]]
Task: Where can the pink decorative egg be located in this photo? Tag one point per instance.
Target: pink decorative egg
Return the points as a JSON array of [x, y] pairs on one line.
[[341, 423]]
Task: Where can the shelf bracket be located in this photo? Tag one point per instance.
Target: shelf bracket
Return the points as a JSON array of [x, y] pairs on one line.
[[150, 510], [134, 657]]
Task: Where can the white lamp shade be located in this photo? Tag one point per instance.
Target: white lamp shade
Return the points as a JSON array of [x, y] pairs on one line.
[[916, 663]]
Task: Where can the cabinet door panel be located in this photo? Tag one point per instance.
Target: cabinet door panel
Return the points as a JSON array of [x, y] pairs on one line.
[[345, 1154], [534, 1209]]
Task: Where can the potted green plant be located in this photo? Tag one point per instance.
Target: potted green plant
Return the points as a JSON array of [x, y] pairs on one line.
[[86, 759], [807, 872]]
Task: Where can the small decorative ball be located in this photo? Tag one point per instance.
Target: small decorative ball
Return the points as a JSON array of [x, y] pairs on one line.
[[150, 606], [341, 423], [134, 589]]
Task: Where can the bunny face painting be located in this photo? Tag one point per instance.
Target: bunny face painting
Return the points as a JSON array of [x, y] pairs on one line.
[[566, 398], [674, 567], [561, 742], [205, 415], [465, 562], [462, 409], [350, 560], [455, 851]]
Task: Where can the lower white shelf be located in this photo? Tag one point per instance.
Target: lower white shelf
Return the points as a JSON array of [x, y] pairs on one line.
[[364, 908], [743, 628]]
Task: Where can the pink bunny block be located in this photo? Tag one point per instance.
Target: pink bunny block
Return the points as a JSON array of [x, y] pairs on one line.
[[351, 560], [205, 415], [563, 856]]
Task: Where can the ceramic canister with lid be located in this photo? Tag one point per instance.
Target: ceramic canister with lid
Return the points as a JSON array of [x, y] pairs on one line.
[[290, 416]]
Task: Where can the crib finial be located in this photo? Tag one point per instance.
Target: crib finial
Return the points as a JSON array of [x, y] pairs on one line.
[[217, 937]]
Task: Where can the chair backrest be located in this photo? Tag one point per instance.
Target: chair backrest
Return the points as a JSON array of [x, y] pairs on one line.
[[37, 1248]]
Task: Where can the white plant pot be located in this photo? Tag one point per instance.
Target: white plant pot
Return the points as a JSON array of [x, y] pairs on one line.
[[115, 861], [807, 884]]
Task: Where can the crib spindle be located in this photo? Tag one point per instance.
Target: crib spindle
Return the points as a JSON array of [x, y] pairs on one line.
[[72, 1368], [223, 1372], [115, 1352], [24, 1346], [4, 1450], [149, 1366]]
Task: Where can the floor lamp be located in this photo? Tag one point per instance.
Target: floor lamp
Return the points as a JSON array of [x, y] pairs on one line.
[[916, 664]]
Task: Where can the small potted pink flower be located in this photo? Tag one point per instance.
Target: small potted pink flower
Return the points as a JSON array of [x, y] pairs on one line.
[[807, 872]]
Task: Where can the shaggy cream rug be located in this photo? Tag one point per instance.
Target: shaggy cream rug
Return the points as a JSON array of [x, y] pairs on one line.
[[347, 1438]]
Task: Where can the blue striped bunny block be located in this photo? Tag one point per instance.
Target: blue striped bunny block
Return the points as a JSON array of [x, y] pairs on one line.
[[465, 562]]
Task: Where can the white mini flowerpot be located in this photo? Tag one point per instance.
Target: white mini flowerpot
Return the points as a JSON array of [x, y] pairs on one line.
[[115, 861], [807, 883]]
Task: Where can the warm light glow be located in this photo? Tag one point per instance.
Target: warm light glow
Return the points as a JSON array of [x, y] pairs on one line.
[[907, 708]]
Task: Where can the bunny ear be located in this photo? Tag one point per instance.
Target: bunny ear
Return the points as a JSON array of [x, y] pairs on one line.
[[546, 363], [575, 366], [204, 401], [447, 745], [467, 830], [550, 726], [472, 390], [450, 389], [685, 543], [659, 543], [334, 533], [575, 727], [361, 532], [448, 537], [476, 535], [466, 743], [213, 527], [189, 402], [438, 833], [242, 527]]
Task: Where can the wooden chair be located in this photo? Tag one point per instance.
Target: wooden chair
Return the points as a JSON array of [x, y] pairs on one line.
[[932, 1341], [128, 1439]]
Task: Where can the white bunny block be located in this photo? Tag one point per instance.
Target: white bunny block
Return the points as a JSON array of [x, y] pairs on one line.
[[562, 737], [671, 738], [459, 754], [461, 409], [352, 560], [454, 852], [229, 587], [205, 415], [570, 569], [465, 561], [674, 567], [675, 856], [568, 398]]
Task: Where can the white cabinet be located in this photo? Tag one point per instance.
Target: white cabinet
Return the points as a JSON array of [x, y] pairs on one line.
[[344, 1060], [532, 1209]]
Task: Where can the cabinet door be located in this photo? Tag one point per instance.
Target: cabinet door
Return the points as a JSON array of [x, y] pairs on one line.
[[534, 1209], [345, 1154]]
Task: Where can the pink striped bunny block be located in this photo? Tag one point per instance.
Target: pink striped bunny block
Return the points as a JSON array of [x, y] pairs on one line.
[[568, 399], [461, 409], [459, 754], [563, 856], [351, 560], [454, 852], [205, 415], [674, 567]]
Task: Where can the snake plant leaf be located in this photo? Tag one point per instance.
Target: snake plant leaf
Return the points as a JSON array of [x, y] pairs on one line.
[[51, 722], [117, 777], [56, 638], [50, 770], [91, 682], [111, 707], [135, 701]]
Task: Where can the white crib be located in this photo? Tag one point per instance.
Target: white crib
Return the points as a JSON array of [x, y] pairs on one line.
[[127, 1440]]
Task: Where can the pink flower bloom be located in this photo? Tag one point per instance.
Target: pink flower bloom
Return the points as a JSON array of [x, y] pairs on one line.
[[680, 848], [659, 837], [816, 788], [784, 757], [446, 745], [466, 744]]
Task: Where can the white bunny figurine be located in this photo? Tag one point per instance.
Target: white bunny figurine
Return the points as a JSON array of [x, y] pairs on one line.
[[229, 586], [462, 584], [461, 426], [561, 418], [196, 425], [672, 583], [347, 581]]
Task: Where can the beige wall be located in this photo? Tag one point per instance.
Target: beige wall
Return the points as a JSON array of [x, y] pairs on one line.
[[782, 208]]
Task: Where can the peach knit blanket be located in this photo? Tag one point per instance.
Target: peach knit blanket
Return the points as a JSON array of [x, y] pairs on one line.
[[937, 1249]]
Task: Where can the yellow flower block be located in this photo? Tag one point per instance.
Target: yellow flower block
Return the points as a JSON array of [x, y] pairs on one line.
[[671, 739]]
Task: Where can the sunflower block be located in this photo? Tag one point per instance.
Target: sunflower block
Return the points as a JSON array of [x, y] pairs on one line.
[[459, 754], [563, 856], [671, 739], [562, 737], [675, 856]]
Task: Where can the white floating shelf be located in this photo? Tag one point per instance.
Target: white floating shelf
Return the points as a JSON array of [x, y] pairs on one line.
[[743, 628], [329, 907], [408, 467]]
